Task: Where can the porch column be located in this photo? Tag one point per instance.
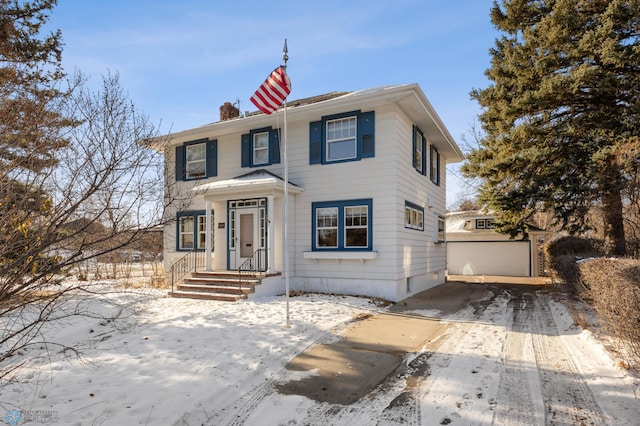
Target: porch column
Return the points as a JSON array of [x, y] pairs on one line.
[[207, 236], [270, 233]]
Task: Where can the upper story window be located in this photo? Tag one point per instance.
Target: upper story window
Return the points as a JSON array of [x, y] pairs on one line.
[[419, 151], [197, 159], [342, 137], [485, 223], [196, 162], [342, 225], [260, 147], [434, 165]]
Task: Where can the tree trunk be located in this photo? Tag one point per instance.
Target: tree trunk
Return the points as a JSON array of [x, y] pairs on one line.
[[614, 241]]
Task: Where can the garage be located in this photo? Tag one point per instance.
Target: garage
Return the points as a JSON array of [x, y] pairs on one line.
[[475, 248], [509, 258]]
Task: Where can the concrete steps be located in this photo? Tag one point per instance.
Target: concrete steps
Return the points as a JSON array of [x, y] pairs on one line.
[[217, 285]]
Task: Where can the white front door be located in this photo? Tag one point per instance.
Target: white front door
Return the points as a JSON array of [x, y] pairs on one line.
[[246, 235], [247, 232]]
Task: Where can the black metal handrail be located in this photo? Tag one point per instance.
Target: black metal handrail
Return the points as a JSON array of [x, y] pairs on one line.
[[254, 263], [188, 263]]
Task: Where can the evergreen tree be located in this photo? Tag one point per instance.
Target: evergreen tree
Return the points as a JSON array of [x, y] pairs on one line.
[[30, 68], [31, 128], [564, 99]]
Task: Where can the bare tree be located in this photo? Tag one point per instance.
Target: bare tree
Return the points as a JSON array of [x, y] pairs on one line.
[[104, 190]]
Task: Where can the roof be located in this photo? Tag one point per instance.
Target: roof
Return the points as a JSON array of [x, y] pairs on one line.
[[256, 181], [456, 221]]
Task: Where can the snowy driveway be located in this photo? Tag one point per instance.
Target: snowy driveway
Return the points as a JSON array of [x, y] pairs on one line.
[[512, 357]]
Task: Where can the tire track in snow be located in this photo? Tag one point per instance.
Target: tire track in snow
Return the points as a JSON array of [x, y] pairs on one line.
[[566, 397]]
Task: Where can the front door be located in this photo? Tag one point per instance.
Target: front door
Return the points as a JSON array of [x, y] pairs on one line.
[[246, 235], [247, 232]]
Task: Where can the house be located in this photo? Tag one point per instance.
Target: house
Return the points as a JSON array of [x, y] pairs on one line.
[[365, 193], [475, 248]]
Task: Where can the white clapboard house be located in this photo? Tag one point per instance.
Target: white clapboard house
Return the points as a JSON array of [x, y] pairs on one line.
[[365, 195]]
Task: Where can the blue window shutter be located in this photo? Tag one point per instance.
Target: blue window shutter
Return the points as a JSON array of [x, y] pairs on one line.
[[366, 137], [424, 156], [180, 169], [414, 132], [315, 142], [212, 158], [246, 151], [274, 146]]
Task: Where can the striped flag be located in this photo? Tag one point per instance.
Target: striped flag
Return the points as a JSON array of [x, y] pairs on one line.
[[272, 93]]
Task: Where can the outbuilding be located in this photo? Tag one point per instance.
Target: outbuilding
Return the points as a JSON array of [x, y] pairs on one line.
[[475, 248]]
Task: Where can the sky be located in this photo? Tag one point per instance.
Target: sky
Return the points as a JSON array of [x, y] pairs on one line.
[[179, 61]]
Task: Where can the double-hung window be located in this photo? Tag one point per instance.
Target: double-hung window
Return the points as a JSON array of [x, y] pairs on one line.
[[342, 137], [196, 162], [327, 227], [434, 163], [441, 230], [260, 147], [192, 230], [197, 159], [185, 233], [342, 225], [419, 151]]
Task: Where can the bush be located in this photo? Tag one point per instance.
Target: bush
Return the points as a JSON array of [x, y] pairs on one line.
[[614, 292], [562, 255], [611, 286]]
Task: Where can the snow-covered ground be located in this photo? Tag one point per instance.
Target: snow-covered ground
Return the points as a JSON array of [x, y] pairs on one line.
[[151, 360]]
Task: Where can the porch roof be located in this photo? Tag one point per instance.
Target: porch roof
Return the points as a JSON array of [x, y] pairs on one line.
[[256, 183]]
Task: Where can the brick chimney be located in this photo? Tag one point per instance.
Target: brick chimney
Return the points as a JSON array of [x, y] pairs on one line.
[[228, 111]]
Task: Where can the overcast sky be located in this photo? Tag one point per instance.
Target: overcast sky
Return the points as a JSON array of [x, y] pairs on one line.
[[180, 60]]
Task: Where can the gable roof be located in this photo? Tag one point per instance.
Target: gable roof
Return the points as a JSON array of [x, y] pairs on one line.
[[456, 222], [256, 181]]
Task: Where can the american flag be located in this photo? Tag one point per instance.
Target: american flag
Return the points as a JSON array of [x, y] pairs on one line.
[[272, 93]]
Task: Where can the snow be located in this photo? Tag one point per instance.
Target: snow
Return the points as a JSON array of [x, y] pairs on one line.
[[152, 360]]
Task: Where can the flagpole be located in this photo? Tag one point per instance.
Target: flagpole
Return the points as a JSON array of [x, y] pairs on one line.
[[285, 58]]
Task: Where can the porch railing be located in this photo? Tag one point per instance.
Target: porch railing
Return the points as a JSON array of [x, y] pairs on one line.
[[188, 263], [255, 263]]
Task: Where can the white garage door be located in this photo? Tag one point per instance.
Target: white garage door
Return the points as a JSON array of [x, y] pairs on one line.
[[506, 258]]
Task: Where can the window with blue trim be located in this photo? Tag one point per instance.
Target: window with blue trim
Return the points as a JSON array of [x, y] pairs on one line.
[[260, 147], [192, 230], [197, 160], [342, 225], [419, 151], [434, 163], [342, 137], [413, 216]]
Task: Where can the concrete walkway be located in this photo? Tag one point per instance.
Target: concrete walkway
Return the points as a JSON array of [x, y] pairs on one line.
[[346, 370]]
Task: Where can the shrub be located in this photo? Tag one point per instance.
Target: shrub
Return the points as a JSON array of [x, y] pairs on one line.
[[562, 254], [614, 292]]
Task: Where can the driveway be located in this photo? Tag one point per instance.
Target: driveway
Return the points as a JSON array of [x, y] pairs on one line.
[[460, 353], [374, 347]]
